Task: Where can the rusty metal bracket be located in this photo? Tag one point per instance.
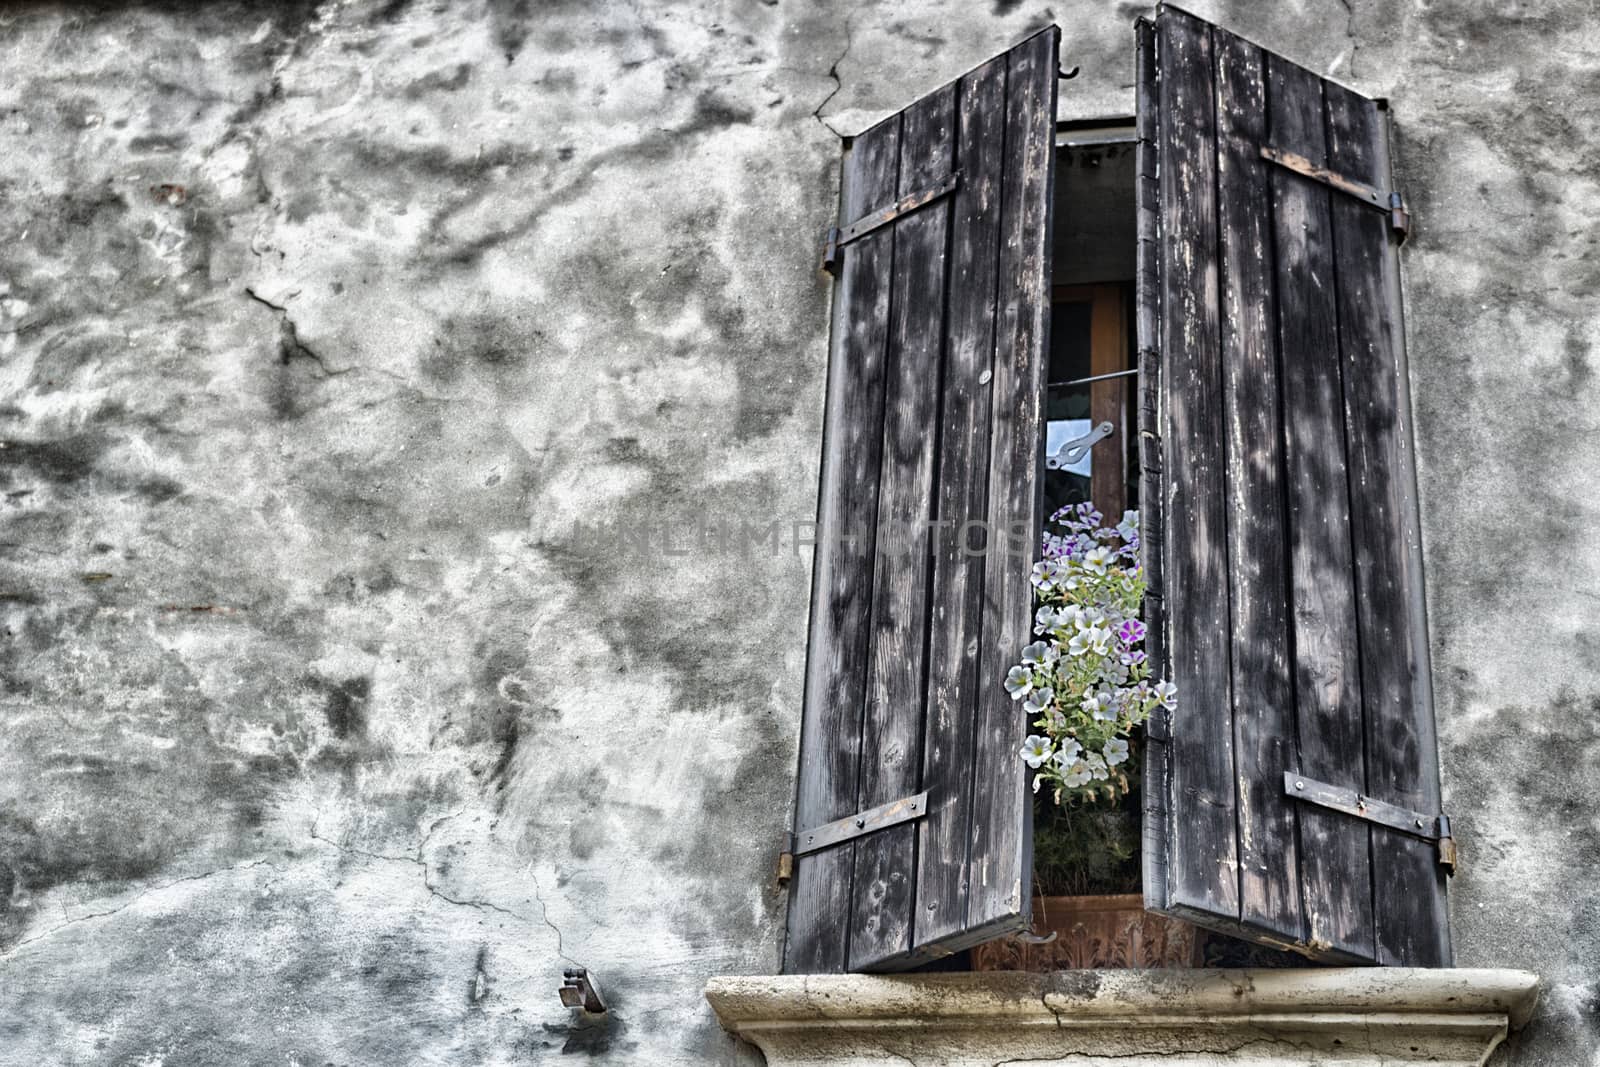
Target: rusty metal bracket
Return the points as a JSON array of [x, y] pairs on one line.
[[860, 824], [578, 990], [837, 238], [1391, 202], [1432, 828]]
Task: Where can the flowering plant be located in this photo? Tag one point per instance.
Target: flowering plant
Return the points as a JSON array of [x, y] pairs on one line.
[[1086, 683]]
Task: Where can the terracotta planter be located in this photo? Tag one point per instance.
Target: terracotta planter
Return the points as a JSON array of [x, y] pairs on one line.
[[1094, 932]]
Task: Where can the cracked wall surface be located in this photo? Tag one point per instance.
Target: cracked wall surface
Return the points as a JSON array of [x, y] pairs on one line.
[[363, 364]]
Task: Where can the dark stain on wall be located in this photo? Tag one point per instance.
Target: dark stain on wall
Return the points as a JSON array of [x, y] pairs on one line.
[[346, 708], [509, 20]]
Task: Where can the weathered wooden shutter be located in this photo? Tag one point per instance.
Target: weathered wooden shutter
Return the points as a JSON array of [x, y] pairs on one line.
[[1280, 512], [934, 408]]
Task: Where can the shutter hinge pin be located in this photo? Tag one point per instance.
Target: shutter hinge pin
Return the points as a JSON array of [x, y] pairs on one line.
[[786, 861]]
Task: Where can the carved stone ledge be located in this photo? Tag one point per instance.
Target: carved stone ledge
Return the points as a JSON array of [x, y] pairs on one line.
[[1349, 1017]]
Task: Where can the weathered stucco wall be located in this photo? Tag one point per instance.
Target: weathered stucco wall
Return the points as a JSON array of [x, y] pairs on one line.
[[328, 330]]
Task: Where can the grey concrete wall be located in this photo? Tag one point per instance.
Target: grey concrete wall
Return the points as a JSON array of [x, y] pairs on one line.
[[330, 736]]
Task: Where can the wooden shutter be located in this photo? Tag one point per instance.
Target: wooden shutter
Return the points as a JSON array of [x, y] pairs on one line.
[[1280, 511], [934, 407]]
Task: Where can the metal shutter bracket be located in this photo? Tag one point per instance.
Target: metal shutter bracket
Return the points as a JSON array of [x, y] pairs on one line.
[[1391, 203], [837, 238], [862, 823], [1434, 828]]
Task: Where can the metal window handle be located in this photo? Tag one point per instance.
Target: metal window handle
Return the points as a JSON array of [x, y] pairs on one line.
[[1072, 451]]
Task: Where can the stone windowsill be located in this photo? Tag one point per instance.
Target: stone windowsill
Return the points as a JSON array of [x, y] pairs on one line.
[[1396, 1017]]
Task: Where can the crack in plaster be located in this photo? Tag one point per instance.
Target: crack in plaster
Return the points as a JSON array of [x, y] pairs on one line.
[[14, 949], [838, 83], [419, 860], [544, 915], [289, 344]]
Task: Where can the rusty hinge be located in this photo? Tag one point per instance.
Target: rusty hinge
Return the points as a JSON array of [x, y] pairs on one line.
[[786, 861], [1391, 202], [1434, 828], [849, 828], [837, 238]]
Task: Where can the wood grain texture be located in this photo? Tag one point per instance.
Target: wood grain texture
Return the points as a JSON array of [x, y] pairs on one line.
[[836, 661], [1412, 926], [1327, 681], [957, 587], [1001, 852], [884, 882], [1147, 317], [1263, 708], [1203, 857]]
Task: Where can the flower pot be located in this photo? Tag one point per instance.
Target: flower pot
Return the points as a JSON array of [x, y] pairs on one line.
[[1094, 932]]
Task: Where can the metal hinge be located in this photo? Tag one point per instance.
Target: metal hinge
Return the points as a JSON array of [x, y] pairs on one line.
[[904, 810], [1434, 828], [837, 238], [1390, 202]]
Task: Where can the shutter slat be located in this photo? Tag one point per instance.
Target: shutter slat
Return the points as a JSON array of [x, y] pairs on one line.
[[847, 505], [891, 739], [1263, 711], [1203, 861], [942, 839], [1328, 677], [1402, 766], [1001, 857], [1155, 830]]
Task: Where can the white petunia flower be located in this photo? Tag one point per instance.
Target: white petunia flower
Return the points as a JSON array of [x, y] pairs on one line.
[[1068, 753], [1019, 682], [1101, 706], [1166, 695], [1115, 751], [1093, 639], [1097, 766], [1035, 750], [1077, 774], [1041, 654], [1038, 701], [1128, 528], [1096, 560]]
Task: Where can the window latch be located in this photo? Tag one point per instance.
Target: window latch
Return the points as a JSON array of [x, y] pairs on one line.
[[1072, 451]]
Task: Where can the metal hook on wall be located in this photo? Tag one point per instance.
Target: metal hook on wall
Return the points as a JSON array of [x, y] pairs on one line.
[[1066, 75]]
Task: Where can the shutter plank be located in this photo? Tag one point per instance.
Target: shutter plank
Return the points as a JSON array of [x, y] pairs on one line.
[[1147, 325], [1263, 709], [1402, 754], [942, 838], [1001, 861], [836, 665], [1203, 859], [884, 883], [1328, 679]]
